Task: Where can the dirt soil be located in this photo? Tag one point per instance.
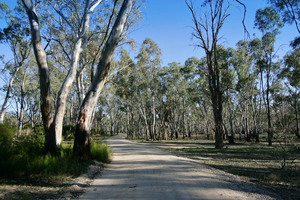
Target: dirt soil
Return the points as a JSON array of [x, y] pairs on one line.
[[54, 188], [141, 171]]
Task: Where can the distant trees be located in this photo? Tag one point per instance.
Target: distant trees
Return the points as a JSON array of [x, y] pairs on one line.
[[183, 105], [16, 36], [291, 72], [89, 85], [268, 22]]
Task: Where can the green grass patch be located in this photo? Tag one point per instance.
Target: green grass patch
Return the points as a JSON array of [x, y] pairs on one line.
[[101, 152], [66, 164], [24, 156]]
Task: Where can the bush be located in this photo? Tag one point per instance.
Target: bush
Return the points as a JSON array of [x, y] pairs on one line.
[[7, 133], [17, 154], [38, 129], [25, 156], [101, 152], [68, 131], [66, 164]]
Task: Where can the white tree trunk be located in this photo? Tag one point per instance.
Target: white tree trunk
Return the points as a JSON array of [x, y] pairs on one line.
[[65, 88], [82, 143], [11, 82], [41, 59]]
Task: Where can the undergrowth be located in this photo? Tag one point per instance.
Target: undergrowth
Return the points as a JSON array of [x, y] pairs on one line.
[[101, 152], [24, 156]]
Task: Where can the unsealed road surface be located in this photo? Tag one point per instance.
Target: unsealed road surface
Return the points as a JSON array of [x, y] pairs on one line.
[[140, 171]]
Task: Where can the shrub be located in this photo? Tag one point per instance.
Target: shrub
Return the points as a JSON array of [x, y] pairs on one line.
[[25, 155], [7, 133], [101, 152], [68, 131], [38, 129]]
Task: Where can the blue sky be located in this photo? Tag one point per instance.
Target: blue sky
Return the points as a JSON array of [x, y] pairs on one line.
[[169, 23]]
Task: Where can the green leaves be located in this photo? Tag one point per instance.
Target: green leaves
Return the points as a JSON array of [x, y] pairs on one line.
[[292, 68], [268, 19], [289, 10], [4, 9]]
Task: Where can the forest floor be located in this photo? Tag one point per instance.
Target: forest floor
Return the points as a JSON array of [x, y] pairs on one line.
[[55, 187], [257, 163], [143, 171]]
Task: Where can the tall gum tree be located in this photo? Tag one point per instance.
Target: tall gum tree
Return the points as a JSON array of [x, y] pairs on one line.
[[291, 72], [82, 144], [268, 21], [78, 28], [206, 31], [76, 50], [44, 76]]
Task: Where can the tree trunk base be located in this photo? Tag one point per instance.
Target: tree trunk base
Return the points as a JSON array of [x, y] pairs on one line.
[[50, 142], [82, 143]]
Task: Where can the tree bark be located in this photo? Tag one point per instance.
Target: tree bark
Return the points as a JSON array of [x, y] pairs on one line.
[[82, 144], [65, 88], [297, 116], [41, 59], [22, 101], [270, 131]]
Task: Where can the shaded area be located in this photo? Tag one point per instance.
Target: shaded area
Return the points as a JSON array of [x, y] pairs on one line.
[[257, 163], [139, 171]]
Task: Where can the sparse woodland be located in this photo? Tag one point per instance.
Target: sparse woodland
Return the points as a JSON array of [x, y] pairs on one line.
[[74, 74]]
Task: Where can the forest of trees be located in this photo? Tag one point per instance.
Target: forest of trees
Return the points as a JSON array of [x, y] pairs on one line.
[[73, 67]]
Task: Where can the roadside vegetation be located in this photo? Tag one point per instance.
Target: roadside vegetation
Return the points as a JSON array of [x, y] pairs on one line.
[[23, 160]]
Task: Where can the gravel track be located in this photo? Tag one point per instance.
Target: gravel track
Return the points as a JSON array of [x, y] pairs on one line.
[[141, 171]]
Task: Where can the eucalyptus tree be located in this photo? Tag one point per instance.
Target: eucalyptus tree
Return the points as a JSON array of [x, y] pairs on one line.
[[246, 87], [70, 21], [291, 72], [148, 61], [82, 140], [122, 81], [289, 11], [228, 77], [206, 31], [77, 27], [175, 99], [16, 36], [44, 76], [268, 21]]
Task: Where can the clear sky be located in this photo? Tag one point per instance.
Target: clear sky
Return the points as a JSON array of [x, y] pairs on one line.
[[169, 23]]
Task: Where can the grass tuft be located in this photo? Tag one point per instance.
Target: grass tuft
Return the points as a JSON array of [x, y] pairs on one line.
[[24, 156], [101, 152]]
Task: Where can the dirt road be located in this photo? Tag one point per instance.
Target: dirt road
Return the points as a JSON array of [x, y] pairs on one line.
[[140, 171]]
